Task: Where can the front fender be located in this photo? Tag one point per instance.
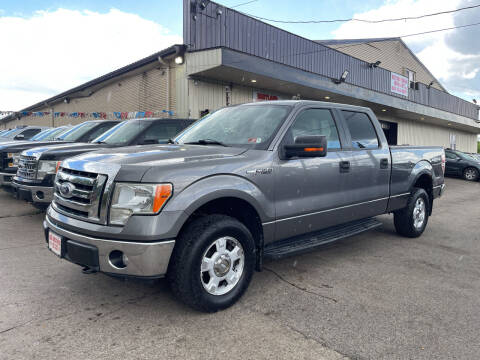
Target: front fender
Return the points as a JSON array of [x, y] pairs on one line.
[[219, 186]]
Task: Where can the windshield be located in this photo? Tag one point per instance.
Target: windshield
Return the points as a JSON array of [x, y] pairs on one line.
[[41, 134], [77, 131], [49, 134], [466, 156], [123, 133], [245, 125], [12, 133]]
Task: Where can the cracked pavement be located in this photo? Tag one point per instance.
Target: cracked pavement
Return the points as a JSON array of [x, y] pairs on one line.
[[373, 296]]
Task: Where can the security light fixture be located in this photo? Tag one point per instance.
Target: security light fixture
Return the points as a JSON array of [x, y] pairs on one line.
[[66, 100], [431, 83], [179, 60], [474, 101], [342, 78], [375, 64]]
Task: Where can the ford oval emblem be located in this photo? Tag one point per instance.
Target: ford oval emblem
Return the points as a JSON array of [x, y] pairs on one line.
[[66, 189]]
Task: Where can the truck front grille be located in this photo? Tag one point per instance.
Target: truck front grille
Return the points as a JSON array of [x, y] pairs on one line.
[[27, 167], [79, 193]]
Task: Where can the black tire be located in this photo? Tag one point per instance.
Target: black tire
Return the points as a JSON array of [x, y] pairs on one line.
[[185, 263], [470, 174], [404, 218]]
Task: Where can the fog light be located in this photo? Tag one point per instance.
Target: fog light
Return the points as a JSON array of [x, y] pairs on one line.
[[118, 259]]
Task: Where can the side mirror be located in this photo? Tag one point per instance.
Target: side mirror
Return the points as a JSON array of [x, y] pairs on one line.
[[19, 137], [306, 146]]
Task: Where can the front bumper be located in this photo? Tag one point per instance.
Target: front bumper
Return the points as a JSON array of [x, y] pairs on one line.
[[37, 194], [142, 259], [6, 178]]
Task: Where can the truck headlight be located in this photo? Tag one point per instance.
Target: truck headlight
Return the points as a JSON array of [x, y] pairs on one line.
[[47, 167], [15, 157], [141, 199]]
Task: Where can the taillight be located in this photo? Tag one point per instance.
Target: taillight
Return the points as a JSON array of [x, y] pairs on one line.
[[443, 162]]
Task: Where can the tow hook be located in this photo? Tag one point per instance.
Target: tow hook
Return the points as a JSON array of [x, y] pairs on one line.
[[88, 270]]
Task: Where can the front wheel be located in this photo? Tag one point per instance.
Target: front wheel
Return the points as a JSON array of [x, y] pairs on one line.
[[412, 220], [212, 263], [470, 174]]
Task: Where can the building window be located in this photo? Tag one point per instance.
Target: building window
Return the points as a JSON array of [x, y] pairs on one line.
[[411, 78]]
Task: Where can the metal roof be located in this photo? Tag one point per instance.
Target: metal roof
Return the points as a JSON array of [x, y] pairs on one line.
[[123, 70]]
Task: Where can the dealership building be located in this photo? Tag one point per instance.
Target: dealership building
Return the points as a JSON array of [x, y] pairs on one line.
[[230, 58]]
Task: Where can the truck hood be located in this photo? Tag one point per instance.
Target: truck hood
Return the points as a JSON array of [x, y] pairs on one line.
[[62, 151], [18, 146], [135, 161]]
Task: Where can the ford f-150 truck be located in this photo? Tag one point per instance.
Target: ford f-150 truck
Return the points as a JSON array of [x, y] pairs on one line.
[[37, 166], [242, 184]]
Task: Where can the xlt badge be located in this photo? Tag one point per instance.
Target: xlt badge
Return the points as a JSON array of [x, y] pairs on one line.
[[264, 171]]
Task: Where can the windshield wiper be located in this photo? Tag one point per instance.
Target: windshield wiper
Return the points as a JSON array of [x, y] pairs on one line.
[[206, 142]]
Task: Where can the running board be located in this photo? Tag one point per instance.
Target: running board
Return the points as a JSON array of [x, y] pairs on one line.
[[304, 243]]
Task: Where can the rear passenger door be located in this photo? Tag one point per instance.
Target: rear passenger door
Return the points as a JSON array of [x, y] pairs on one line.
[[368, 186]]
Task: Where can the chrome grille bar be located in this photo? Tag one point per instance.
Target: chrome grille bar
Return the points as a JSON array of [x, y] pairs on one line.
[[27, 167], [78, 194]]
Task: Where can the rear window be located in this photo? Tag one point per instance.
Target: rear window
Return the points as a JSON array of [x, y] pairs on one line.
[[361, 129]]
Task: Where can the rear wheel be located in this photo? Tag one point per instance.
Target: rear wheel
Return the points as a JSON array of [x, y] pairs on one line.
[[470, 174], [412, 220], [212, 263]]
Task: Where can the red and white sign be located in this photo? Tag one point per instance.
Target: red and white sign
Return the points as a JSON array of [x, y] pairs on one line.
[[258, 96], [399, 84], [55, 243]]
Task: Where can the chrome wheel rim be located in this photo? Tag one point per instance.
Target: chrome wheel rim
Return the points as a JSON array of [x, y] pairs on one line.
[[222, 265], [419, 213], [470, 174]]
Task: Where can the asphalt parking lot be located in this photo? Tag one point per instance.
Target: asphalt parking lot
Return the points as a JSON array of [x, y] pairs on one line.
[[374, 296]]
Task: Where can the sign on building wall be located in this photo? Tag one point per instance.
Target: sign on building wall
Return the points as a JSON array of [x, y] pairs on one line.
[[399, 84]]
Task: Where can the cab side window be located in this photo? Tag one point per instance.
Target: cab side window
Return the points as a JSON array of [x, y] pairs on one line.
[[314, 122], [450, 156], [361, 129], [29, 133], [161, 131]]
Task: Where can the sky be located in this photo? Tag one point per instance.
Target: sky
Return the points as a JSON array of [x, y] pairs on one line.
[[49, 46]]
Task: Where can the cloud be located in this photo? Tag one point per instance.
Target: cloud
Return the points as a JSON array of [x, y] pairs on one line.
[[452, 56], [53, 51]]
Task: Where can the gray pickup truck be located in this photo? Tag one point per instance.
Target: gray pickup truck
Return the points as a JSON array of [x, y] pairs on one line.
[[243, 184]]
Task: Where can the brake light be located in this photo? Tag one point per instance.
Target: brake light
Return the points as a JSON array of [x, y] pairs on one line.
[[443, 162]]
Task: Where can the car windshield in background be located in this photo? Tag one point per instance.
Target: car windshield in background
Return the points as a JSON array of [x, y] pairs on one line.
[[11, 133], [123, 133], [466, 156], [51, 134], [246, 126], [41, 134], [77, 131]]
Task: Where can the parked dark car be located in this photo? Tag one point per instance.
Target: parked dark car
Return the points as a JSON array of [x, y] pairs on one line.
[[462, 164], [245, 183], [37, 166]]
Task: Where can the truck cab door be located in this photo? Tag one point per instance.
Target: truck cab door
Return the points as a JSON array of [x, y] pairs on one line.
[[309, 190], [368, 187]]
